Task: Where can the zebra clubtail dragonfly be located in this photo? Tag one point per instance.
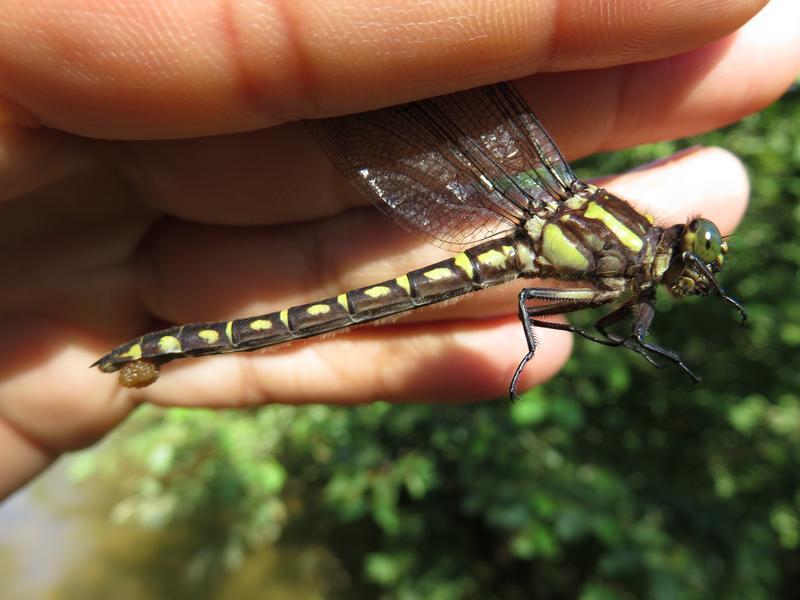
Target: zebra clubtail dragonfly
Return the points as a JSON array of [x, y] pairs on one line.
[[476, 173]]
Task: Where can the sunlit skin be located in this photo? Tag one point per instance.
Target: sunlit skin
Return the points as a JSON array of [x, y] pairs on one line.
[[107, 233]]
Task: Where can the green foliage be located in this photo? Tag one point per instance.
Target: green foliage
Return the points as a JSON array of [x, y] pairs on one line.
[[613, 481]]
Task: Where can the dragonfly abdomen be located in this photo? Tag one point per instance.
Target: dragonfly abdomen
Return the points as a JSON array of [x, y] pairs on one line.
[[485, 265]]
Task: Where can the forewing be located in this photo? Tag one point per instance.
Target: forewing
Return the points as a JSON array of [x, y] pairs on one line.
[[458, 169]]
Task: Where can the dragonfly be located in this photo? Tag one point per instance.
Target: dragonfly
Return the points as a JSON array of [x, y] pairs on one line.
[[476, 173]]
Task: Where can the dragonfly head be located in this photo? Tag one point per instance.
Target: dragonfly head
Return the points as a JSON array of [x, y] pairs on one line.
[[700, 253], [703, 239]]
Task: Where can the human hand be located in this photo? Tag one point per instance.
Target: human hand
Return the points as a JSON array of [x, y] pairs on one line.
[[108, 232]]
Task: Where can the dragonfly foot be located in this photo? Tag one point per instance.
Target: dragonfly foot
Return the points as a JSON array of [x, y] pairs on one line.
[[645, 349], [512, 390]]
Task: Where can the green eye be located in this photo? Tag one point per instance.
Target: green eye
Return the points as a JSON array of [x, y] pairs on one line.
[[702, 238]]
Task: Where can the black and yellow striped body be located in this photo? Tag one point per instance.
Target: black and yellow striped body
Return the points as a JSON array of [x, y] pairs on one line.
[[598, 237], [465, 168], [488, 264], [595, 237]]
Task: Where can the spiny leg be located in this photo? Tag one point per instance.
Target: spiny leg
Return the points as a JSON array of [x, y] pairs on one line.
[[709, 275], [668, 354], [643, 312], [643, 309], [566, 300], [607, 339]]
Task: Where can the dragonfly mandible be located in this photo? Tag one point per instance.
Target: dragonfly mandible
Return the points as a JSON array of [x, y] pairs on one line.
[[475, 172]]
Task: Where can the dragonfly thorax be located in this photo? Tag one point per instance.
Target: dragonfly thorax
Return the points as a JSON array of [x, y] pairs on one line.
[[598, 237]]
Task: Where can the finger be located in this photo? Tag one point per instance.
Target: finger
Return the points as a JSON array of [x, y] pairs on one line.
[[261, 175], [20, 460], [711, 182], [676, 97], [183, 69], [193, 273], [31, 158], [48, 405], [462, 351]]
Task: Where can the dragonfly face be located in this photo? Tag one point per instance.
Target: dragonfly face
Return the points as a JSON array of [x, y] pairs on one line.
[[699, 255], [474, 172], [700, 243]]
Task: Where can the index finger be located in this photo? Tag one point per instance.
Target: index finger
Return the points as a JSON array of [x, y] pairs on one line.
[[155, 69]]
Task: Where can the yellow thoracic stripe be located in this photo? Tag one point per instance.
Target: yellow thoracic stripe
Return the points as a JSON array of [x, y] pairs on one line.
[[559, 249], [625, 235]]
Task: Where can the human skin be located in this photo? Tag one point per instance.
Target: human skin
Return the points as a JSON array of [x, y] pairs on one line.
[[152, 171]]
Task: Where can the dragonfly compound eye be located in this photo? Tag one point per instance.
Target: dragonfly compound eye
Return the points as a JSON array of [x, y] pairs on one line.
[[703, 239]]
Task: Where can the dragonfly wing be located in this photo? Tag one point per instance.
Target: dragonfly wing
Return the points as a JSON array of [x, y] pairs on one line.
[[457, 169]]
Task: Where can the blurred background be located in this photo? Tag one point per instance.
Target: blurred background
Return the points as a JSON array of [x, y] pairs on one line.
[[611, 481]]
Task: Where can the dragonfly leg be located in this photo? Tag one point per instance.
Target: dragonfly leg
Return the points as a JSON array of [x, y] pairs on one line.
[[566, 300], [643, 309], [607, 339], [642, 320], [700, 266], [668, 354]]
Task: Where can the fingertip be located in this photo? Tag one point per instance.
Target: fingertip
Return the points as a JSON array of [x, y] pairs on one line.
[[60, 403], [707, 181]]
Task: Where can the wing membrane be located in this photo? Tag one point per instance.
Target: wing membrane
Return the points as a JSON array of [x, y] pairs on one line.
[[457, 169]]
